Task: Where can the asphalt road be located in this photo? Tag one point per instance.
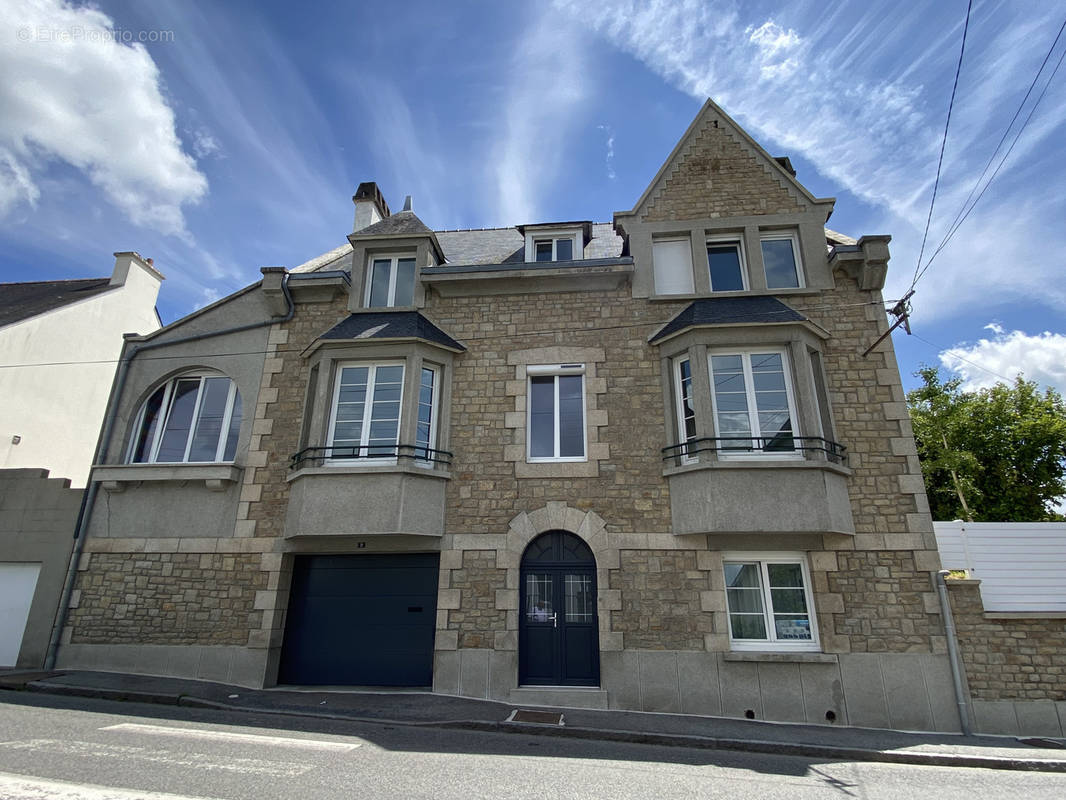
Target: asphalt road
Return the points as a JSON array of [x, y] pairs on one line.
[[81, 749]]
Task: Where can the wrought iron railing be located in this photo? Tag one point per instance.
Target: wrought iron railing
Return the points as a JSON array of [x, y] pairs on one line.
[[369, 454], [738, 445]]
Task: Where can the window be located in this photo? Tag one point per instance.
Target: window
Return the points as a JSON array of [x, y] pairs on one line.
[[780, 258], [556, 404], [686, 413], [672, 262], [725, 259], [193, 418], [753, 406], [365, 422], [769, 602], [426, 433], [553, 249], [391, 281]]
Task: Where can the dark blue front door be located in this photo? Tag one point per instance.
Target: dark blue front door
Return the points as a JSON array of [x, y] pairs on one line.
[[558, 629], [361, 620]]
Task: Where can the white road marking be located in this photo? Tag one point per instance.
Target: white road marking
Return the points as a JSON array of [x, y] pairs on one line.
[[227, 736], [247, 766], [22, 787]]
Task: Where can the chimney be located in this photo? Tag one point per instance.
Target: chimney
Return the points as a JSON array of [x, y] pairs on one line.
[[370, 206], [407, 203], [128, 259]]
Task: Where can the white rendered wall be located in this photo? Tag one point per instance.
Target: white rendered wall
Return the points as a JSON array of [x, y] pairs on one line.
[[1021, 565], [56, 410]]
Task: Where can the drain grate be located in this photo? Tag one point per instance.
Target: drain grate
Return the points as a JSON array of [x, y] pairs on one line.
[[536, 717]]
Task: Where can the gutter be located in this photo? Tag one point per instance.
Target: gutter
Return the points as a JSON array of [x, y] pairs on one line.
[[88, 499], [953, 652]]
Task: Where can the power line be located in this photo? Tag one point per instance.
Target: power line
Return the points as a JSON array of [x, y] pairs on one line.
[[943, 349], [943, 142], [961, 216], [599, 328]]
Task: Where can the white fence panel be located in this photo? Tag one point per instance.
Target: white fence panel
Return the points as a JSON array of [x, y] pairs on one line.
[[1021, 565]]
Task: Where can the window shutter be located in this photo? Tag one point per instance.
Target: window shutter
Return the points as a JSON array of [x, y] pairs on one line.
[[673, 266]]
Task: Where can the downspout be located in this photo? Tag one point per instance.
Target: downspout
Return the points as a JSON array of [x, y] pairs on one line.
[[953, 652], [89, 498]]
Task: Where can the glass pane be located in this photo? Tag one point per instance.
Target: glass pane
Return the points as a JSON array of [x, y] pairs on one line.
[[780, 263], [564, 249], [179, 420], [724, 263], [405, 282], [688, 413], [793, 628], [542, 416], [351, 407], [745, 600], [727, 364], [543, 250], [747, 626], [769, 381], [571, 417], [538, 598], [205, 438], [788, 601], [234, 428], [766, 362], [379, 282], [142, 449], [385, 412], [742, 575], [785, 575], [731, 401], [580, 602], [425, 413]]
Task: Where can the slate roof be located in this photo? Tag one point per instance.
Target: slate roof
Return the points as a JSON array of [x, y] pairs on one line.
[[390, 325], [403, 222], [729, 311], [19, 301]]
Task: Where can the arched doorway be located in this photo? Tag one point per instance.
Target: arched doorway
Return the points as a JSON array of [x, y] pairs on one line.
[[558, 630]]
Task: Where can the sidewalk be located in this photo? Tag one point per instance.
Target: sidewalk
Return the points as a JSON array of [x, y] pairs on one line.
[[674, 730]]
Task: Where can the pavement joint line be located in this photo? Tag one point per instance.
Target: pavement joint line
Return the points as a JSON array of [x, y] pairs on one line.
[[801, 750]]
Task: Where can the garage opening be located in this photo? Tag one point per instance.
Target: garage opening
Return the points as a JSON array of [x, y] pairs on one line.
[[358, 620]]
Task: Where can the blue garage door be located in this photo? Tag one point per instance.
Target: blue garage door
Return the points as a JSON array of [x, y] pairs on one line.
[[361, 620]]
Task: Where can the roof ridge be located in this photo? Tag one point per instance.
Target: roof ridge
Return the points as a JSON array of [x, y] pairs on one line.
[[57, 280], [500, 228]]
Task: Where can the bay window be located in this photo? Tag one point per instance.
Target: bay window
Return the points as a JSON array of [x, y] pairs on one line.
[[190, 419], [365, 422], [751, 393]]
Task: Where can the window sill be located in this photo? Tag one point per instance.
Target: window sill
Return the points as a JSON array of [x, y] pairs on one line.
[[673, 298], [781, 657], [758, 462], [117, 477], [369, 469]]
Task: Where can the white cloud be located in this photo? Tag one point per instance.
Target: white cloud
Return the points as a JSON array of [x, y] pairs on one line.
[[204, 144], [1040, 358], [547, 85], [72, 93], [609, 160]]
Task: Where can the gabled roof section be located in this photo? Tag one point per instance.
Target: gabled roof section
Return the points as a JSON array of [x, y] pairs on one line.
[[20, 301], [759, 310], [404, 223], [391, 325], [716, 148]]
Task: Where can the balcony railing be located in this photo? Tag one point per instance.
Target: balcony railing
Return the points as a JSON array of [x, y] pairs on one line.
[[369, 455], [740, 445]]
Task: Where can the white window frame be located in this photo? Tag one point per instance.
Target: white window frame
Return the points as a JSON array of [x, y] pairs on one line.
[[690, 285], [434, 410], [679, 404], [364, 432], [575, 236], [772, 642], [165, 409], [738, 240], [753, 414], [556, 370], [394, 272], [771, 236]]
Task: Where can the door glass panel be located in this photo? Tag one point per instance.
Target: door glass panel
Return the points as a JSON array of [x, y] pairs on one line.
[[538, 598], [579, 599], [425, 413]]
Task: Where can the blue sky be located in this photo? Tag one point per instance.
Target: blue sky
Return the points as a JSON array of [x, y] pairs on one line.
[[234, 137]]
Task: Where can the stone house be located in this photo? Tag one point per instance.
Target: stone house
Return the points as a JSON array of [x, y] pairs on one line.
[[639, 465]]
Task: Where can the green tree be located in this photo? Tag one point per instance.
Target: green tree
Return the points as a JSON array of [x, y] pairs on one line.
[[994, 455]]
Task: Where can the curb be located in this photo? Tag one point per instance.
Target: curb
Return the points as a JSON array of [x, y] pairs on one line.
[[796, 749]]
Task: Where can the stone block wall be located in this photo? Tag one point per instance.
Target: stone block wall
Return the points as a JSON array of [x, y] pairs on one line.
[[1008, 657], [473, 587], [661, 600]]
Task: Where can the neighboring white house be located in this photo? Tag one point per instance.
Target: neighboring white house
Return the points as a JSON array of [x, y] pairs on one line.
[[59, 346]]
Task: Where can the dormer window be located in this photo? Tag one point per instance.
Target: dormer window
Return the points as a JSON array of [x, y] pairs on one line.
[[392, 281], [554, 249]]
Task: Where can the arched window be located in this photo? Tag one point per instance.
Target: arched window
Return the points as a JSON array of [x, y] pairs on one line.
[[192, 418]]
